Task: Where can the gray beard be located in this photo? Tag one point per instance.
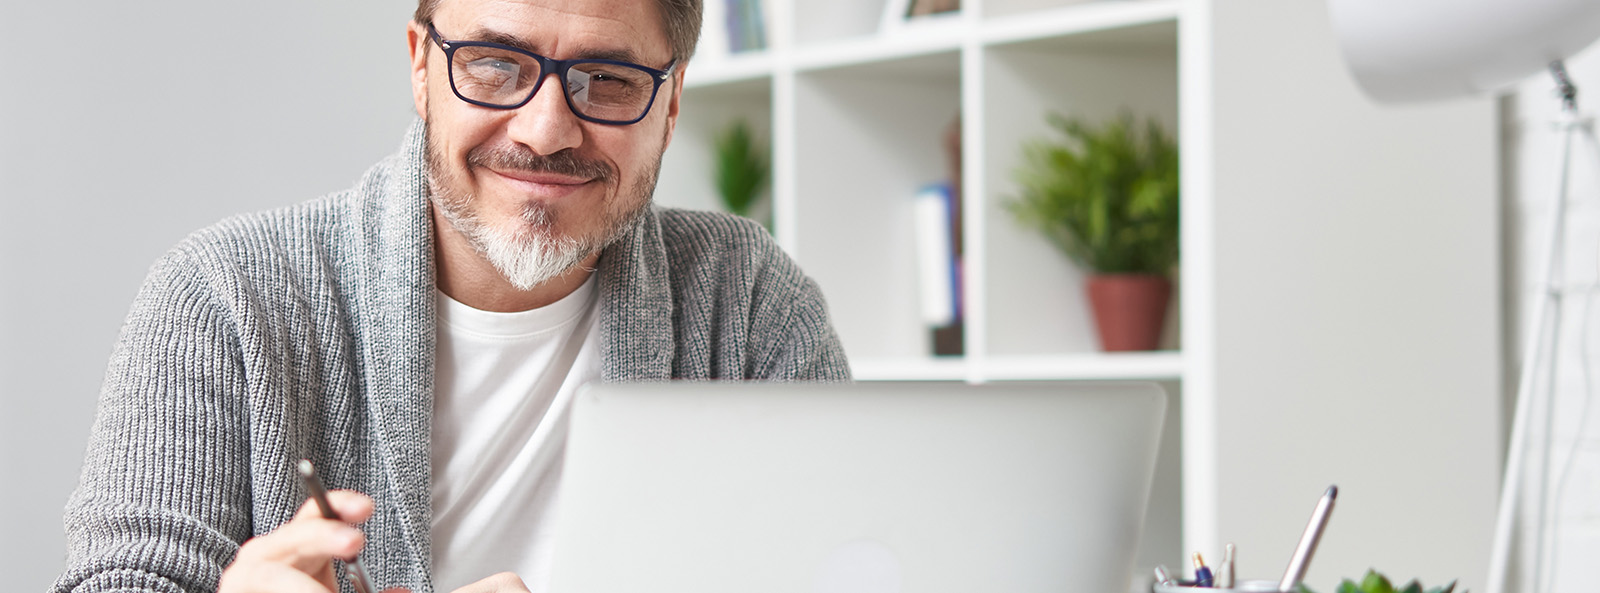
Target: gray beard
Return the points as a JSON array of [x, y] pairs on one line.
[[532, 250]]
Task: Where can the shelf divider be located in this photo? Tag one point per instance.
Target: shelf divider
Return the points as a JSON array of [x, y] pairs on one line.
[[1165, 365]]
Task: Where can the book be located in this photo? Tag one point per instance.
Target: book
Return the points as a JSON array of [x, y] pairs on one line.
[[747, 30], [937, 274]]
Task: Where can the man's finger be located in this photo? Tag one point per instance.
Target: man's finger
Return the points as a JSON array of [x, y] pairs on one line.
[[351, 506], [306, 544]]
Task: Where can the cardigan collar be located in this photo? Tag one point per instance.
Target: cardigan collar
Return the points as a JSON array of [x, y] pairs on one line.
[[394, 329]]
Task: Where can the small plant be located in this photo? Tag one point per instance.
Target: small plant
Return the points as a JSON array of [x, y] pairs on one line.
[[1107, 196], [1374, 582], [741, 169]]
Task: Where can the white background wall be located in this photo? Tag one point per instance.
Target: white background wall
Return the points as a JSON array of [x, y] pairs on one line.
[[1533, 152], [123, 127]]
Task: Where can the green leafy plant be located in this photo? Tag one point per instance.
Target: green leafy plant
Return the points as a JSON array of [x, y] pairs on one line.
[[1374, 582], [1106, 195], [742, 168]]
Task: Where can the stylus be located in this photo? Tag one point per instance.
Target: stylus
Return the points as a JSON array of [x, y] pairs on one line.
[[354, 568], [1308, 541]]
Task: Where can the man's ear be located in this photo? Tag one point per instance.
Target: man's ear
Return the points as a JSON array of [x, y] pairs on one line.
[[673, 101], [417, 38]]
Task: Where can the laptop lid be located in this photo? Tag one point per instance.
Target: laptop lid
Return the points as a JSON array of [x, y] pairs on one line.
[[865, 488]]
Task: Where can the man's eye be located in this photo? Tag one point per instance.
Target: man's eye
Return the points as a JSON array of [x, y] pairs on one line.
[[488, 66]]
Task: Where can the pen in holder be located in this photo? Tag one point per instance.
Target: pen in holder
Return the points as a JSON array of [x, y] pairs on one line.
[[1290, 582]]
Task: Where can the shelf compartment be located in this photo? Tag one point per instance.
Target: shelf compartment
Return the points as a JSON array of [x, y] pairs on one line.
[[1113, 25], [688, 166], [867, 138], [913, 40], [1035, 297]]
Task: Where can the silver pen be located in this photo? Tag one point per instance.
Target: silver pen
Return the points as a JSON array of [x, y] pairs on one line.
[[1225, 571], [1308, 541], [354, 568]]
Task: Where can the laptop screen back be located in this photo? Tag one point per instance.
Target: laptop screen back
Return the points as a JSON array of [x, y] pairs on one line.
[[867, 488]]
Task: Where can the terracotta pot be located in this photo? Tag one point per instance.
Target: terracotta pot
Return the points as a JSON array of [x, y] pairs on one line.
[[1129, 310]]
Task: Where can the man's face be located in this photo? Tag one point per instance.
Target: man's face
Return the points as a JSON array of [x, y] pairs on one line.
[[535, 189]]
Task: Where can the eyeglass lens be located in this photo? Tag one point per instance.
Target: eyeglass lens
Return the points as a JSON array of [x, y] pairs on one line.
[[597, 89]]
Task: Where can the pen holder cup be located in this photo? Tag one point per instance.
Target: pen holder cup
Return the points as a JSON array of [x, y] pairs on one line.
[[1238, 587]]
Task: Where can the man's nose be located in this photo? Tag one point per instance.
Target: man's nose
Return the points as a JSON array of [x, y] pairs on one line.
[[545, 124]]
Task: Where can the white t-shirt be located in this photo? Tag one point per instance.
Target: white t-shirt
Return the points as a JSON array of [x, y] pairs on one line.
[[499, 429]]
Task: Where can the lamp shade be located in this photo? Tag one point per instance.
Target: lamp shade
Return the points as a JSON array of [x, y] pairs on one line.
[[1419, 50]]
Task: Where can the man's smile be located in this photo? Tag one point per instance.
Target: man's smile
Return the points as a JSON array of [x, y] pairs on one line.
[[540, 184]]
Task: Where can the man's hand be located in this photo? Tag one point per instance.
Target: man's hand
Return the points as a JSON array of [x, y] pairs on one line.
[[505, 582], [298, 556]]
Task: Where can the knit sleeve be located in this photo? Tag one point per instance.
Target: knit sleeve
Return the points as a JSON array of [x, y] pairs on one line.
[[798, 343], [164, 500]]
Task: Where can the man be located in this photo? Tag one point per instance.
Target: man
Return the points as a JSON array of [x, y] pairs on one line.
[[415, 336]]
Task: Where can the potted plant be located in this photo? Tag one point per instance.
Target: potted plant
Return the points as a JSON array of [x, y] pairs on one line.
[[741, 170], [1375, 582], [1107, 196]]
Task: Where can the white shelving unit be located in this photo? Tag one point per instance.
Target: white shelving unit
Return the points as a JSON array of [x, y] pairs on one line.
[[1272, 132], [857, 118]]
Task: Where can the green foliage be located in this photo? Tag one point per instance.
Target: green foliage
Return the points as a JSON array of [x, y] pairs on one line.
[[741, 168], [1374, 582], [1107, 196]]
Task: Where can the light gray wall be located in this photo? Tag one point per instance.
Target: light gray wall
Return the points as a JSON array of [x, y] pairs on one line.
[[1358, 310], [123, 127]]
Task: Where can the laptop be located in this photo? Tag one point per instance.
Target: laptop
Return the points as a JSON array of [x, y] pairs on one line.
[[865, 488]]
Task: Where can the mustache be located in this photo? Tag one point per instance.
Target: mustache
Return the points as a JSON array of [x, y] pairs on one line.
[[516, 158]]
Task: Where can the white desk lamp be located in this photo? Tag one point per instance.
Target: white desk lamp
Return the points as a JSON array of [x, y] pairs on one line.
[[1419, 50]]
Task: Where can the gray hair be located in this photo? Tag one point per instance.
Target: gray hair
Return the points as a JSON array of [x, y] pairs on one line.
[[680, 20]]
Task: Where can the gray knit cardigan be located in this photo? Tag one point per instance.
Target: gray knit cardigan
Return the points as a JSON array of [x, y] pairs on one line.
[[308, 332]]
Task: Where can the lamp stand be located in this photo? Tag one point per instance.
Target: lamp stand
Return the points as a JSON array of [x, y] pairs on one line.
[[1538, 358]]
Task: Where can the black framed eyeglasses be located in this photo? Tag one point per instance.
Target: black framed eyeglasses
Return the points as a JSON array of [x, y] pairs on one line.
[[500, 76]]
